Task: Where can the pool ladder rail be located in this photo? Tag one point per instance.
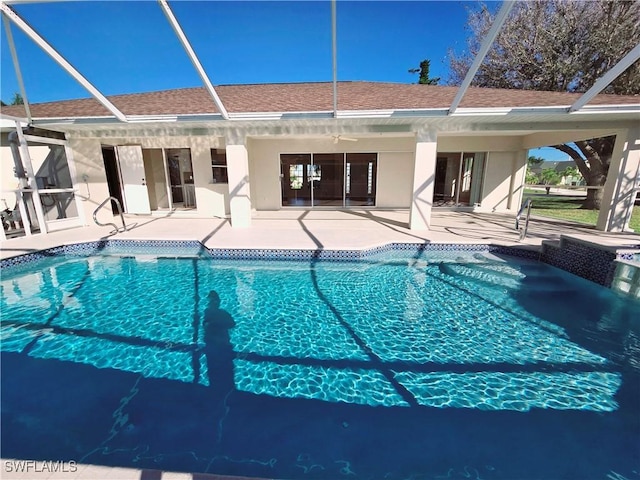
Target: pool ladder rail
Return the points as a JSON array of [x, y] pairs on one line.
[[117, 202], [526, 207]]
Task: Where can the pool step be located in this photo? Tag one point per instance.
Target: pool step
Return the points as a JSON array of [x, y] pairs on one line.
[[482, 274], [533, 278]]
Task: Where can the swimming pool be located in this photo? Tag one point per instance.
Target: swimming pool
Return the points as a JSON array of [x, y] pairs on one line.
[[407, 363]]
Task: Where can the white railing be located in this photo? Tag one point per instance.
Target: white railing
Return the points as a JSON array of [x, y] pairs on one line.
[[521, 227], [117, 202]]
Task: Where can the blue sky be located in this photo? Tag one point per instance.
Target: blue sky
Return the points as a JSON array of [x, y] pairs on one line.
[[127, 47]]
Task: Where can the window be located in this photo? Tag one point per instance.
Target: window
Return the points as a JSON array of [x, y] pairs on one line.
[[219, 165], [295, 177]]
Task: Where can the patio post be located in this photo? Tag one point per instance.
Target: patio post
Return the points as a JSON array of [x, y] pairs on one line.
[[424, 171], [622, 183], [238, 174]]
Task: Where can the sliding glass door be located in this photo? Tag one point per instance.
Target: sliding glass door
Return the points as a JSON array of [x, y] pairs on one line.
[[328, 179], [458, 179]]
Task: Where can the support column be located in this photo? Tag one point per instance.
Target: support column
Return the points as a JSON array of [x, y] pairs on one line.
[[518, 180], [622, 182], [239, 192], [424, 174], [35, 193]]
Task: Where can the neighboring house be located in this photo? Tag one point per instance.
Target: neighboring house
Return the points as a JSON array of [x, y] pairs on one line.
[[561, 167], [558, 166], [283, 146]]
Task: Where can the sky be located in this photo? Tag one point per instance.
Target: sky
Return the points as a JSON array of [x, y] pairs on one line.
[[129, 46]]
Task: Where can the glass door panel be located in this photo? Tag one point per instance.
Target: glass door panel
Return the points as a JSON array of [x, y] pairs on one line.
[[360, 184], [458, 180], [478, 177], [183, 194], [440, 196], [328, 179], [464, 181], [296, 174]]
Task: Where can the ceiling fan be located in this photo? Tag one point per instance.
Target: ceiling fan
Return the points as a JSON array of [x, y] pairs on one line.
[[337, 138]]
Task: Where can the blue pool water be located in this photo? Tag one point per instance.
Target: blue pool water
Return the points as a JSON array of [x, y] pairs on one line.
[[404, 365]]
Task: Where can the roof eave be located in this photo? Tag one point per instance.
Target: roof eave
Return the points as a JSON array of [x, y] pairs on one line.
[[561, 111], [321, 114], [594, 109]]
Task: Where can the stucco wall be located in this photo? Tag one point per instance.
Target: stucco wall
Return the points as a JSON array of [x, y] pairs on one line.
[[476, 143], [395, 178], [498, 182]]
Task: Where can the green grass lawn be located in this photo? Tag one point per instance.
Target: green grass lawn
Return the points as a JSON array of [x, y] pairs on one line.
[[568, 208]]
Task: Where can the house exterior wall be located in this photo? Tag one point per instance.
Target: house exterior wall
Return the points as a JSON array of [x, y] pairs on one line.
[[476, 143], [211, 198], [264, 169], [501, 190], [394, 181], [395, 175]]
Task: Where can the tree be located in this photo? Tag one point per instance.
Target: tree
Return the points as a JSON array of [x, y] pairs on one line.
[[558, 45], [17, 99], [572, 172], [531, 177], [425, 65], [533, 162], [549, 177]]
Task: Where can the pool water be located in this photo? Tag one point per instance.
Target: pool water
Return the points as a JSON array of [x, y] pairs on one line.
[[405, 365]]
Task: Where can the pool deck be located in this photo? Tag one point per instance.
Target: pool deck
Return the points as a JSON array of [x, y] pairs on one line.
[[297, 229], [329, 230]]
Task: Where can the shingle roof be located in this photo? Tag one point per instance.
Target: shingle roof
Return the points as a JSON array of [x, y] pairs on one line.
[[308, 97]]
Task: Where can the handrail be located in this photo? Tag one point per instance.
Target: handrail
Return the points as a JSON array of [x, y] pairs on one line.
[[525, 206], [95, 212]]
